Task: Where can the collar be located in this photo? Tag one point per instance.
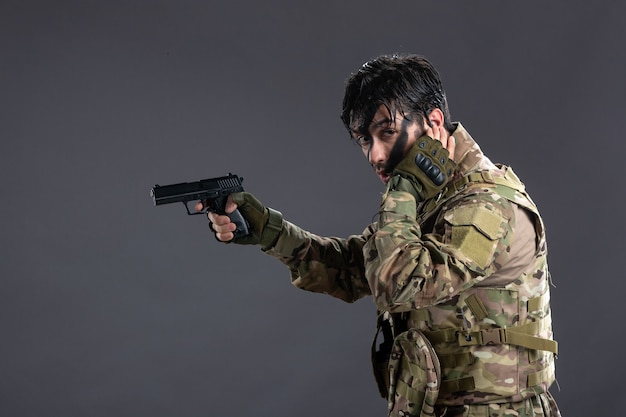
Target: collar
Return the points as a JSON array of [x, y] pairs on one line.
[[468, 155]]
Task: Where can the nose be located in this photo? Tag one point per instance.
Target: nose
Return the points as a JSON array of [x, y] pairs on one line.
[[376, 154]]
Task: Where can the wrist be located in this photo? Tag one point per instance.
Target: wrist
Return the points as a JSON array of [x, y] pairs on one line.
[[408, 184], [272, 229], [397, 205]]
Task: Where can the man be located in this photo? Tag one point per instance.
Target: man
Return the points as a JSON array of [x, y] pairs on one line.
[[455, 262]]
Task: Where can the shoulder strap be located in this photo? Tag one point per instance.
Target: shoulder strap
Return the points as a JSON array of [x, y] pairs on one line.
[[506, 183]]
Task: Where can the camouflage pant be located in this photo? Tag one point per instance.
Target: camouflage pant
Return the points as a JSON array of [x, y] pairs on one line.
[[415, 380], [543, 405]]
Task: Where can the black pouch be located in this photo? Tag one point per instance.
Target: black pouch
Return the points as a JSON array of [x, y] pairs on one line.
[[381, 352]]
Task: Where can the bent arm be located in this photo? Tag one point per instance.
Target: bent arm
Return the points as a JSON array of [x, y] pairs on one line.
[[408, 270]]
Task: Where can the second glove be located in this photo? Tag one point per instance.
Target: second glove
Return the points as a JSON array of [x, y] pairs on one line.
[[424, 170]]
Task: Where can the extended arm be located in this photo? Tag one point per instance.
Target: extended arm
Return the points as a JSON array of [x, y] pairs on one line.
[[327, 265]]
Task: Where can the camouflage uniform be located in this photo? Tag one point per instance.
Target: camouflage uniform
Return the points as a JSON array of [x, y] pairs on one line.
[[462, 288]]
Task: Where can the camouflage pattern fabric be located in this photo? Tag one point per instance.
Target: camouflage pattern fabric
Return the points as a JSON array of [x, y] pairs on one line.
[[541, 405], [326, 265], [415, 376], [437, 262]]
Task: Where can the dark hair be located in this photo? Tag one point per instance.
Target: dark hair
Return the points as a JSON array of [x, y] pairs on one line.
[[409, 84]]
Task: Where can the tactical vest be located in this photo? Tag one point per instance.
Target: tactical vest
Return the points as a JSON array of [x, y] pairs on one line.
[[492, 344]]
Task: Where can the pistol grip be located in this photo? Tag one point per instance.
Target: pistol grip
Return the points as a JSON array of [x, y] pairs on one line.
[[242, 225]]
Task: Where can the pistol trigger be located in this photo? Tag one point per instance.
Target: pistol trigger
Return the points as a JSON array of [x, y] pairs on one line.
[[189, 212]]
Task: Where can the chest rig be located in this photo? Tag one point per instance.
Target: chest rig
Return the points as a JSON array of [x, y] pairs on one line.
[[492, 344]]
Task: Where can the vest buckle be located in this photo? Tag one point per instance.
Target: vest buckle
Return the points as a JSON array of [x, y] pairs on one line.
[[491, 337], [482, 337]]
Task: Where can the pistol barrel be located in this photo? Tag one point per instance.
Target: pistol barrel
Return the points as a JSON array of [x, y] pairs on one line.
[[208, 189]]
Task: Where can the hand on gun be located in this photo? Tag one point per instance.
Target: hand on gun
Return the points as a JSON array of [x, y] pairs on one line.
[[264, 223], [234, 215], [222, 225]]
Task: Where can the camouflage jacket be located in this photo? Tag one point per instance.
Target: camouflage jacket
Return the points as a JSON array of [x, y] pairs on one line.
[[463, 263]]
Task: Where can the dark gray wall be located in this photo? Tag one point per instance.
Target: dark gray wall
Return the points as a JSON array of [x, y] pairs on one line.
[[112, 307]]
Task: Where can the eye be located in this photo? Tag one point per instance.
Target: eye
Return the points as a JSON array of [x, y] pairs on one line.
[[389, 132], [362, 141]]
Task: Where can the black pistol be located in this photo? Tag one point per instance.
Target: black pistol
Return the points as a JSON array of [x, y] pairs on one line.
[[213, 192]]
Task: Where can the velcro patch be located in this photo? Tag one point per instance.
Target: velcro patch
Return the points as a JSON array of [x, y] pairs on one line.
[[475, 232]]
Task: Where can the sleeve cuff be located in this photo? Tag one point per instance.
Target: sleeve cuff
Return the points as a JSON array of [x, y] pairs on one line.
[[272, 229]]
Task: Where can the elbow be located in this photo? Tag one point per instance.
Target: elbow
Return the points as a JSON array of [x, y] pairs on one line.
[[398, 300]]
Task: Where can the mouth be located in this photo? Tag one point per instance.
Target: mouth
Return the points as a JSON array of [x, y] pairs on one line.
[[384, 176]]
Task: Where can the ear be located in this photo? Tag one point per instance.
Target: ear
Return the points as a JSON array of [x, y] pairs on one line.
[[436, 117]]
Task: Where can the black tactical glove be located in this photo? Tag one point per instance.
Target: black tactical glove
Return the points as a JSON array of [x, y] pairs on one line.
[[264, 223], [424, 171]]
